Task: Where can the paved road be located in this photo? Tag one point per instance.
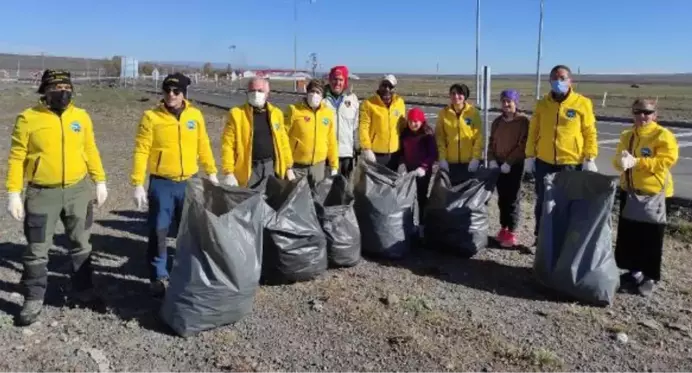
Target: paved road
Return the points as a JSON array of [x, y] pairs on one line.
[[608, 137]]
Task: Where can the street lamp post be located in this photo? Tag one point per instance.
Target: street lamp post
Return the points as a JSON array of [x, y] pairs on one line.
[[538, 57], [232, 49]]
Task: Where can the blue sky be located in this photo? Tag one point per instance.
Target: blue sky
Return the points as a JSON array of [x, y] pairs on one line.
[[624, 36]]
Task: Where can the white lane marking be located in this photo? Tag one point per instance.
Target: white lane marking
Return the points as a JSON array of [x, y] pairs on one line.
[[684, 144], [611, 141]]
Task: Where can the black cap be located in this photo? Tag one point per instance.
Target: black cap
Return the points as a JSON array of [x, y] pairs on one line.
[[54, 77], [176, 80]]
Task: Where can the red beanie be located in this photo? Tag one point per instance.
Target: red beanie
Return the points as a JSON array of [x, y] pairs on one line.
[[416, 115], [339, 71]]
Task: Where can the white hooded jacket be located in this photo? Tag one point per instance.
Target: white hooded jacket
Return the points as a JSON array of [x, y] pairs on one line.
[[346, 123]]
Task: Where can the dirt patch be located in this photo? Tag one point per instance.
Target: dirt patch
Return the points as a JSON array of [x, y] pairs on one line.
[[428, 312]]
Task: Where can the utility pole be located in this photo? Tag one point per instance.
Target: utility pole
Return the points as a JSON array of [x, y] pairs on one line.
[[478, 52], [538, 57]]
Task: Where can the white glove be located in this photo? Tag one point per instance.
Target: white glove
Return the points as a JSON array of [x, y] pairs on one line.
[[101, 194], [627, 161], [589, 165], [230, 180], [473, 165], [530, 165], [290, 175], [492, 165], [443, 165], [333, 172], [369, 155], [506, 168], [420, 172], [140, 197], [214, 179], [15, 206]]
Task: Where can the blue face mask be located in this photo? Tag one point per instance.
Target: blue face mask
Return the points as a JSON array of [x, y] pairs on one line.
[[559, 86]]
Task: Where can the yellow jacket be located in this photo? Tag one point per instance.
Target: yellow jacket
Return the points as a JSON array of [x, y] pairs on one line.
[[312, 134], [169, 147], [379, 125], [656, 151], [236, 143], [51, 150], [459, 137], [563, 133]]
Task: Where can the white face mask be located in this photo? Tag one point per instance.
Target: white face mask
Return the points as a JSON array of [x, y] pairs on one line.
[[314, 100], [257, 99]]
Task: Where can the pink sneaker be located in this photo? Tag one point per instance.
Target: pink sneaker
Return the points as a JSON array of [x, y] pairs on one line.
[[502, 235], [510, 240]]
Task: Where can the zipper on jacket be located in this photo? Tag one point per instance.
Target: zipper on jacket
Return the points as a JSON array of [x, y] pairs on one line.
[[180, 147], [459, 142], [62, 133], [557, 122], [389, 128], [314, 137]]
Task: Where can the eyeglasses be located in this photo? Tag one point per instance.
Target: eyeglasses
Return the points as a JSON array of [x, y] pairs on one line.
[[176, 91], [645, 112]]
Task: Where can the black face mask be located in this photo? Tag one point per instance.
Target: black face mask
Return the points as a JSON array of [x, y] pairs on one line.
[[58, 100]]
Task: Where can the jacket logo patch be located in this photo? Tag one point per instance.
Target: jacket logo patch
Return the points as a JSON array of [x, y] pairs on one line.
[[347, 103], [325, 121], [396, 113], [570, 113], [468, 121], [307, 119], [645, 152], [276, 126], [76, 127], [190, 124]]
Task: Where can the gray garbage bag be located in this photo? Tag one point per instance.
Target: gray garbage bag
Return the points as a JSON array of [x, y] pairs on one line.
[[295, 248], [218, 257], [574, 254], [456, 217], [334, 205], [384, 205]]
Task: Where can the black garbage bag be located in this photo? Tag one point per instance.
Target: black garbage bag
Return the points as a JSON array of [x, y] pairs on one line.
[[456, 217], [384, 205], [334, 205], [218, 259], [574, 255], [295, 248]]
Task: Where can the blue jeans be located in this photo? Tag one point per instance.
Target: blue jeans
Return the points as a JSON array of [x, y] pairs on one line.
[[543, 169], [166, 199]]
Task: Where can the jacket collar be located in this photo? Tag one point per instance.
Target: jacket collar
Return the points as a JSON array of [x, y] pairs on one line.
[[646, 129]]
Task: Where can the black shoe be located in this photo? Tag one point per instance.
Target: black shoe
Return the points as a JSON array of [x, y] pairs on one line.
[[30, 312], [159, 287], [646, 287]]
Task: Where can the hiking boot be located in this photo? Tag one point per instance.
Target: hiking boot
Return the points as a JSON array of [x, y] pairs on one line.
[[30, 312], [158, 288], [510, 240], [646, 287]]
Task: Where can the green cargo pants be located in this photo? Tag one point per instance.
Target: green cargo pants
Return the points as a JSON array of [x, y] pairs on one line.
[[44, 206], [315, 172]]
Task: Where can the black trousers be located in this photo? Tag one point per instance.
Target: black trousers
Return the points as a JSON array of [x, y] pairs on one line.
[[508, 187], [391, 161], [639, 246], [346, 165]]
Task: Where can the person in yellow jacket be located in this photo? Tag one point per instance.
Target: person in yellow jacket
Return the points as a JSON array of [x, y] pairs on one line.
[[53, 149], [170, 139], [459, 136], [381, 118], [311, 128], [254, 143], [562, 134], [644, 157]]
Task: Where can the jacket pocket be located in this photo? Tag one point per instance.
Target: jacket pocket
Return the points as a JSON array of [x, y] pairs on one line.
[[158, 160], [36, 164], [35, 228]]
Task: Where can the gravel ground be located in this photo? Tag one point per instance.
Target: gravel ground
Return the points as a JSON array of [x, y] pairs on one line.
[[429, 312]]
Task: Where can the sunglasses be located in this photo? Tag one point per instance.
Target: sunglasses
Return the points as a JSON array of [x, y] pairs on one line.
[[645, 112], [176, 91]]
